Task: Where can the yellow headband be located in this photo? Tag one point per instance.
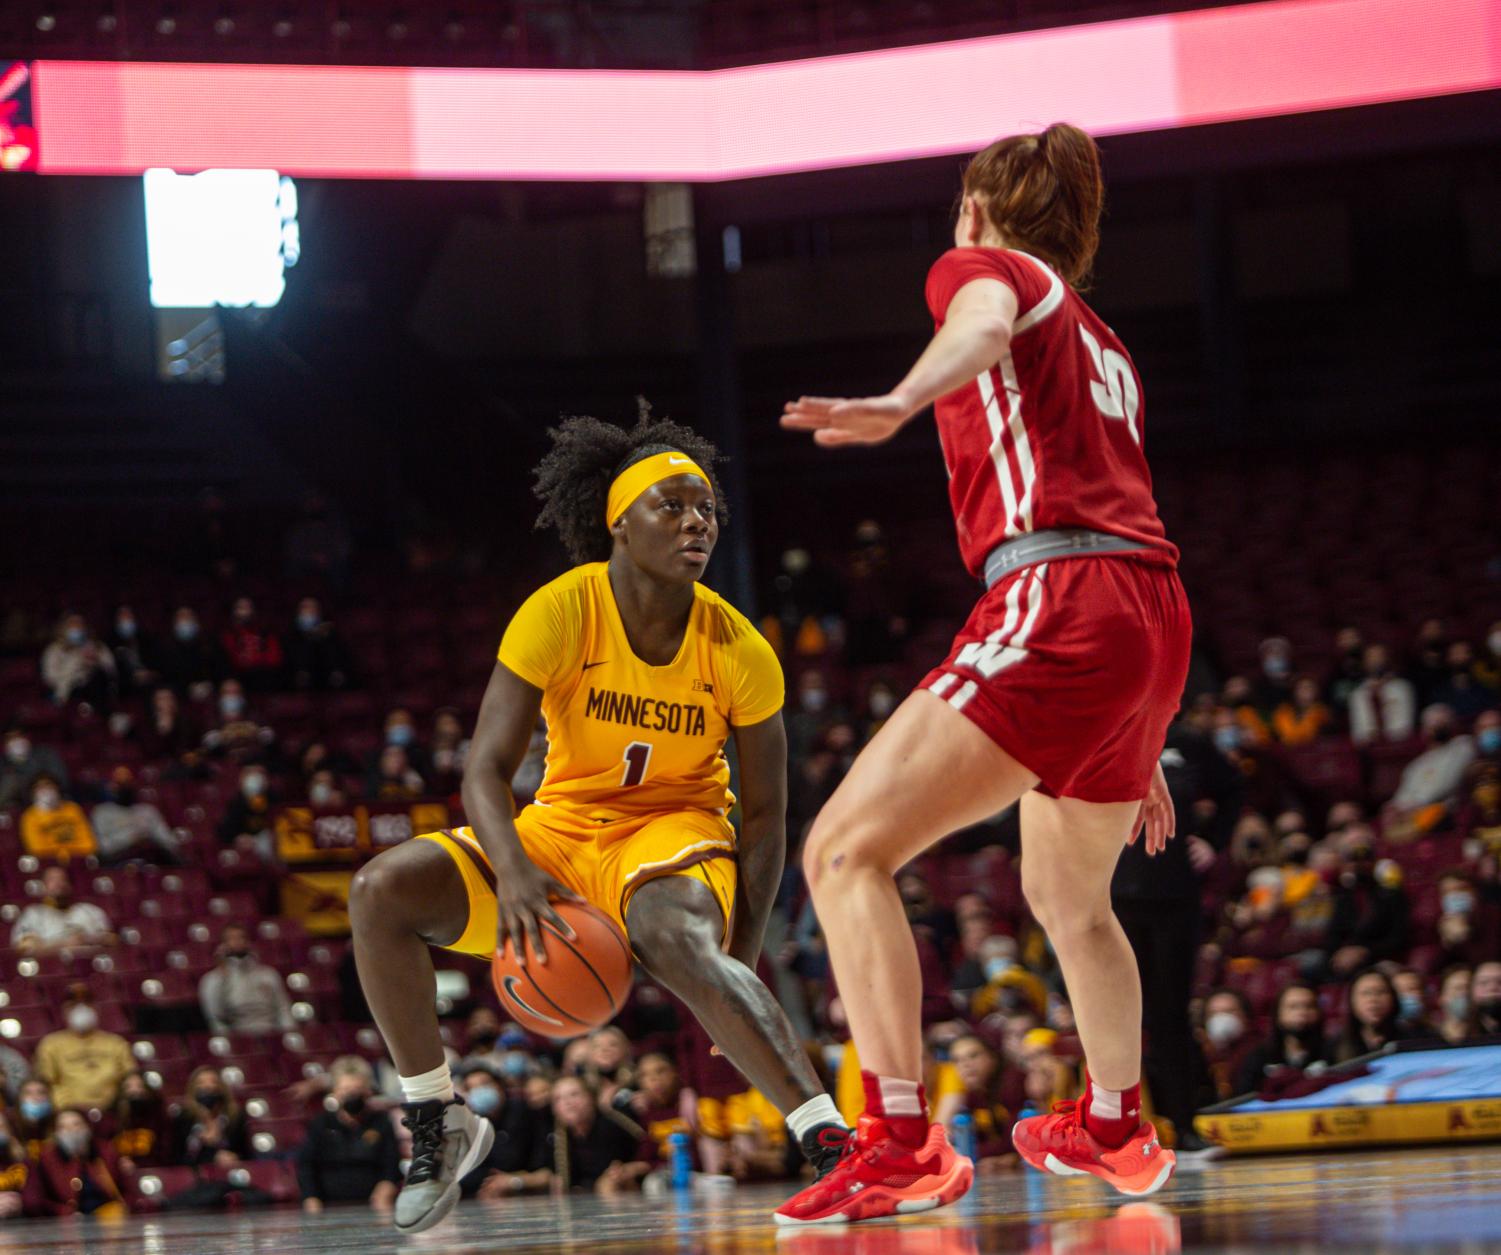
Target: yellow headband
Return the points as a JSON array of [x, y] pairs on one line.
[[640, 476]]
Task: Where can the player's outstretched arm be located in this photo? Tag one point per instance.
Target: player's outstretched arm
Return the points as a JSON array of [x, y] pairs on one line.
[[762, 750], [501, 737], [974, 336]]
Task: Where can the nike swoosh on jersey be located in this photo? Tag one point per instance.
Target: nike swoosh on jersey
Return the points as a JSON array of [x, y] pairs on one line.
[[600, 663]]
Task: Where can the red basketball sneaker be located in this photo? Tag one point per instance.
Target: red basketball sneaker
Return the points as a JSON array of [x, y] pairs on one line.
[[880, 1176], [1059, 1143]]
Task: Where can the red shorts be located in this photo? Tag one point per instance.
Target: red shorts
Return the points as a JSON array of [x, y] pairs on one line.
[[1075, 668]]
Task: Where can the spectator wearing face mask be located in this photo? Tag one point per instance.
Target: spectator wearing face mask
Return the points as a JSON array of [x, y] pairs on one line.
[[1302, 718], [209, 1127], [34, 1116], [811, 714], [317, 657], [82, 1063], [54, 826], [77, 666], [400, 732], [880, 701], [1369, 918], [324, 792], [57, 922], [15, 1171], [1383, 706], [1468, 926], [139, 1129], [1227, 1038], [239, 736], [1426, 669], [1412, 1002], [1430, 783], [1485, 1000], [395, 779], [1295, 1041], [1349, 670], [1373, 1017], [134, 652], [448, 752], [1453, 1024], [1462, 691], [254, 651], [1274, 686], [518, 1159], [190, 663], [246, 824], [1487, 760], [24, 762], [128, 828], [241, 994], [77, 1174], [349, 1153]]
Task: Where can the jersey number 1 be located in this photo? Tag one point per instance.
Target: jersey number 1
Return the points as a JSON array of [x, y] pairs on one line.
[[637, 755]]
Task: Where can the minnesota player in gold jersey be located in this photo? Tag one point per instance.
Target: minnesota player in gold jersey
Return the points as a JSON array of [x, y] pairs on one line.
[[642, 675]]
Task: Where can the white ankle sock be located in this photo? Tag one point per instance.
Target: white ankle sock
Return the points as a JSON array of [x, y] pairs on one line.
[[428, 1085], [811, 1114], [1104, 1104]]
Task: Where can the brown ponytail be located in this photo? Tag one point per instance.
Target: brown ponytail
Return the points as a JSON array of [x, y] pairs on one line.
[[1044, 193]]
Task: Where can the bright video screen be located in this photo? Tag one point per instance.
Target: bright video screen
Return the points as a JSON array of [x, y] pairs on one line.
[[1141, 74]]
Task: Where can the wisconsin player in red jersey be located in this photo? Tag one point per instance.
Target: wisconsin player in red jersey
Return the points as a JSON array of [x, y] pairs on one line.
[[1058, 691]]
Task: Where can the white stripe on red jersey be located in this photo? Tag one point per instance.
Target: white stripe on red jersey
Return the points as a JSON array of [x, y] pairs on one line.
[[1051, 435]]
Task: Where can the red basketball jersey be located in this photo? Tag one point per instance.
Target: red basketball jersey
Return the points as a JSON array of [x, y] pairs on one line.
[[1051, 435]]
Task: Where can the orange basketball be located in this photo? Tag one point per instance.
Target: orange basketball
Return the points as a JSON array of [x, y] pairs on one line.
[[583, 984]]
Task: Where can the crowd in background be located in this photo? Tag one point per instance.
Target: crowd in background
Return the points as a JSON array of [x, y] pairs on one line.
[[1326, 917]]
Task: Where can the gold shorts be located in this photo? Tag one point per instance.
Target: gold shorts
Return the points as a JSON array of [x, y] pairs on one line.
[[604, 863]]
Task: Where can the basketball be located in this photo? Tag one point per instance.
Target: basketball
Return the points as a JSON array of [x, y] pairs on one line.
[[582, 985]]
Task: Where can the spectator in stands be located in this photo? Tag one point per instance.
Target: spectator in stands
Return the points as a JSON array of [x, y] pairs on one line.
[[662, 1105], [77, 1173], [128, 828], [518, 1160], [1275, 684], [1369, 919], [15, 1171], [77, 666], [449, 751], [140, 1132], [1488, 665], [209, 1125], [190, 663], [608, 1064], [324, 792], [242, 994], [811, 714], [991, 1097], [1372, 1017], [13, 1073], [1349, 670], [1454, 1004], [239, 736], [481, 1040], [1430, 783], [35, 1116], [254, 651], [1227, 1038], [1487, 734], [1296, 1040], [1462, 692], [1427, 670], [1485, 999], [57, 922], [134, 653], [924, 912], [24, 762], [593, 1146], [246, 824], [54, 826], [170, 736], [979, 946], [1468, 926], [1239, 698], [1383, 706], [1302, 718], [349, 1153], [317, 657], [81, 1063], [1412, 1002], [394, 778]]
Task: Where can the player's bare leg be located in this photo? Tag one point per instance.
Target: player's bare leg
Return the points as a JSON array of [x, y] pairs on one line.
[[400, 902], [675, 925]]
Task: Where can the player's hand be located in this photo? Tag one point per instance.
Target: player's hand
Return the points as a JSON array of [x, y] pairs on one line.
[[522, 899], [1156, 816], [837, 421]]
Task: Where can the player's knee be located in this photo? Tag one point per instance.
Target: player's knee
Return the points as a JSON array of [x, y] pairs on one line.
[[376, 890], [669, 948], [1059, 906], [839, 845]]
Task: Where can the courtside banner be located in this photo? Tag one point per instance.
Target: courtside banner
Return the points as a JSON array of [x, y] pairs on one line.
[[1142, 74]]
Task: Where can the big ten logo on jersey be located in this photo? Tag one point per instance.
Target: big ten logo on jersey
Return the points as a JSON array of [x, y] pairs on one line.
[[1114, 385]]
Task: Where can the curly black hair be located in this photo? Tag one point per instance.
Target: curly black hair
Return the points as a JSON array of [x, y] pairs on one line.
[[573, 480]]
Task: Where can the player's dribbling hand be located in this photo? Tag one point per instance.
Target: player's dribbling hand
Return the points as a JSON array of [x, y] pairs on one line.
[[836, 421], [1156, 816], [522, 899]]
